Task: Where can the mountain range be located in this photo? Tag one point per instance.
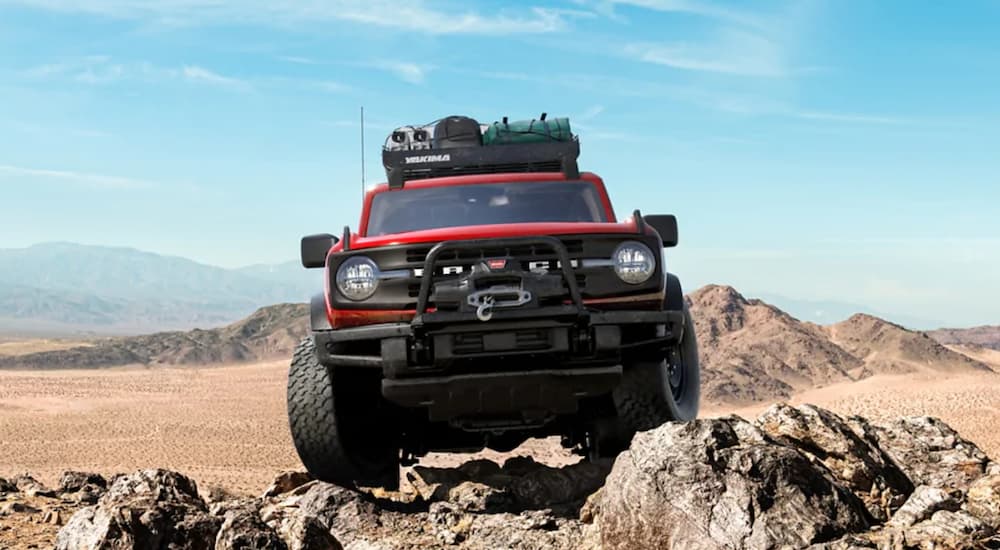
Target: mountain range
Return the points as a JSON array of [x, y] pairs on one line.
[[65, 288], [750, 350]]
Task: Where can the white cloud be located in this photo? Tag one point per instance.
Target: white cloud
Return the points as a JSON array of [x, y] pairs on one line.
[[297, 60], [590, 112], [77, 178], [730, 52], [411, 15], [693, 7], [101, 70], [194, 73], [407, 72]]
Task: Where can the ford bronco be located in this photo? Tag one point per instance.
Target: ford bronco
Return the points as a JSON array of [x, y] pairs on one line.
[[488, 296]]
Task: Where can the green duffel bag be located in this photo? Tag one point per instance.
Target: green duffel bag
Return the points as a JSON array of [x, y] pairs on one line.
[[527, 131]]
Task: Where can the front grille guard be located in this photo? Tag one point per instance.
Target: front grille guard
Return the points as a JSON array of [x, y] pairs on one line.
[[430, 263]]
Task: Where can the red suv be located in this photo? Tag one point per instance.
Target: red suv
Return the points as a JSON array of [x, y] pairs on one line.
[[489, 296]]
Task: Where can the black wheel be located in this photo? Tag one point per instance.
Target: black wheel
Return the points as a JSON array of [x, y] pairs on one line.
[[341, 426], [654, 392]]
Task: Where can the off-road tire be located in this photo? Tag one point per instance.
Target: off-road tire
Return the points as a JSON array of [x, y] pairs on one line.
[[645, 398], [343, 434]]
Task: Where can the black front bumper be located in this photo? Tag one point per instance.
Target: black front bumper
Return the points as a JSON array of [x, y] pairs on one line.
[[405, 349], [530, 368], [534, 361]]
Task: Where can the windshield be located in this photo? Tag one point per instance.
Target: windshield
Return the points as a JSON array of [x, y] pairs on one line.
[[484, 204]]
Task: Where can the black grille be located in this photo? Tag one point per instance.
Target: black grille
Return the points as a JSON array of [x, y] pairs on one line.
[[402, 293], [416, 256]]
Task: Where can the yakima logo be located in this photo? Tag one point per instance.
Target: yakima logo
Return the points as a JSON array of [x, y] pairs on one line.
[[420, 159]]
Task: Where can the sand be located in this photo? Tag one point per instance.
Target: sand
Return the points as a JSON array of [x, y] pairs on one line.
[[226, 426], [219, 425]]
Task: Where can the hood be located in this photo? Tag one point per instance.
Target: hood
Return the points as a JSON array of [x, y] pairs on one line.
[[491, 232]]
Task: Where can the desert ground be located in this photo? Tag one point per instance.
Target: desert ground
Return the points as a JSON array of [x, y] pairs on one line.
[[226, 426]]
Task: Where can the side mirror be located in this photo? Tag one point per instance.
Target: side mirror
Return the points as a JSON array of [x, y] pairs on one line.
[[315, 248], [666, 226]]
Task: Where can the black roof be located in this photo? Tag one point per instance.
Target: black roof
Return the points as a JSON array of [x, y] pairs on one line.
[[551, 156]]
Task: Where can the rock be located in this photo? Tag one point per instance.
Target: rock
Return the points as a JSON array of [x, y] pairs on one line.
[[307, 533], [217, 494], [147, 509], [242, 529], [715, 484], [448, 523], [591, 507], [344, 514], [983, 500], [52, 517], [849, 542], [434, 484], [82, 487], [72, 482], [520, 484], [287, 482], [795, 478], [928, 451], [7, 487], [15, 507], [854, 461], [922, 504], [946, 529], [545, 487], [530, 529], [31, 487], [478, 497]]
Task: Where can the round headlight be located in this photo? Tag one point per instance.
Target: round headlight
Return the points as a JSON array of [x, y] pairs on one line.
[[634, 262], [357, 278]]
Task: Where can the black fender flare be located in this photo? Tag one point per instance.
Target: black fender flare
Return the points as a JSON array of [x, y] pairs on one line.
[[318, 319], [674, 299]]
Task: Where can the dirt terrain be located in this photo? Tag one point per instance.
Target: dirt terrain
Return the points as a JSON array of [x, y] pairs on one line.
[[226, 425]]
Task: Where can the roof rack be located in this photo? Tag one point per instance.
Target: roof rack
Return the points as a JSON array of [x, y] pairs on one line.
[[554, 156]]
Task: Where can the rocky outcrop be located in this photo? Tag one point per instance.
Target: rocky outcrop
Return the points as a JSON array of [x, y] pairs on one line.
[[855, 462], [147, 509], [7, 486], [797, 477], [983, 500], [929, 452], [721, 483], [31, 487], [82, 487]]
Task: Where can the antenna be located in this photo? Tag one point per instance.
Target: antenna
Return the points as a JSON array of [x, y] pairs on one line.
[[363, 183]]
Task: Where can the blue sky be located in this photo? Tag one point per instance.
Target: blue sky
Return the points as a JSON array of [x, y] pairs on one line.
[[840, 150]]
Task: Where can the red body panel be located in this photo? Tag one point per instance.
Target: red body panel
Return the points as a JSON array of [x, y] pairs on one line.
[[359, 240], [491, 232]]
